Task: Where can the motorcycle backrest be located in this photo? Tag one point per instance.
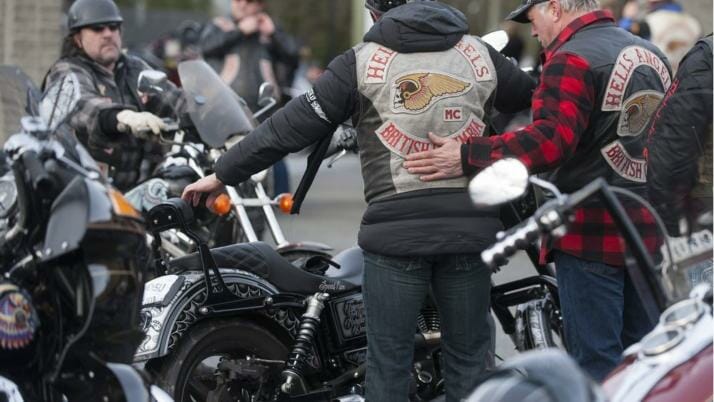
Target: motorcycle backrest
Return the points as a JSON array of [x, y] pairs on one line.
[[174, 213]]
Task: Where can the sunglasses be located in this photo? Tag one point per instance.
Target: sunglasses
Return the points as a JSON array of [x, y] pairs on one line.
[[100, 28]]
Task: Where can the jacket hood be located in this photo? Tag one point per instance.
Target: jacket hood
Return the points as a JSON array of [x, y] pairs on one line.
[[422, 26]]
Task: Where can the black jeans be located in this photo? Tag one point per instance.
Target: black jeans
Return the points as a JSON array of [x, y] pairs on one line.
[[394, 290]]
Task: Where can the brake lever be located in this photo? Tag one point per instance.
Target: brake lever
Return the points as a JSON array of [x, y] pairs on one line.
[[336, 158]]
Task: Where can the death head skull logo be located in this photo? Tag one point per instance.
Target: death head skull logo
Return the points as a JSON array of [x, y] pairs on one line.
[[636, 112], [415, 92]]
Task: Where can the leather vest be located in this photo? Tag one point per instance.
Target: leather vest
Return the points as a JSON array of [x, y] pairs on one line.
[[404, 96], [630, 78]]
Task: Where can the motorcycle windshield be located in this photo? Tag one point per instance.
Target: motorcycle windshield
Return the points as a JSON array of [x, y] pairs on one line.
[[20, 98], [217, 112]]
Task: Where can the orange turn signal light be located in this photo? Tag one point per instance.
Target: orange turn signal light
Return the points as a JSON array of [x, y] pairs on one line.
[[285, 202], [221, 205], [121, 205]]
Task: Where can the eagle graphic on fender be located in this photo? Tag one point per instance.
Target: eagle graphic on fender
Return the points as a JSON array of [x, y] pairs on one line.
[[415, 92]]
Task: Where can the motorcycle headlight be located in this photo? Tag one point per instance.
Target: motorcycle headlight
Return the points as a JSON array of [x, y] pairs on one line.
[[683, 313]]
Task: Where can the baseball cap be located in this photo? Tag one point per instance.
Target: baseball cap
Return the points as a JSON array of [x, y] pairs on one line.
[[520, 14]]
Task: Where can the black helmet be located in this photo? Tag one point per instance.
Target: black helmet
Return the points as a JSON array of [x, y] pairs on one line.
[[83, 13], [382, 6]]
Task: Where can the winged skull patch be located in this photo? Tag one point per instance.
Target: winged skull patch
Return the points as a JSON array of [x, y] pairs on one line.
[[416, 92], [18, 320]]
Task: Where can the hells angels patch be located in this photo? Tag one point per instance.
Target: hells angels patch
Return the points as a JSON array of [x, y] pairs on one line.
[[625, 165], [414, 93], [629, 59], [636, 112], [402, 143]]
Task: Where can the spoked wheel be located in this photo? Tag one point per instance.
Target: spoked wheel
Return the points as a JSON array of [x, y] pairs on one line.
[[195, 369]]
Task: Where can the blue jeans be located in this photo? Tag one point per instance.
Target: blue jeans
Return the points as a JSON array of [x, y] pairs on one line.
[[602, 312], [394, 290]]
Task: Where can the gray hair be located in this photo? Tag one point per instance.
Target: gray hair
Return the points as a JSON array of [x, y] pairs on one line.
[[576, 5]]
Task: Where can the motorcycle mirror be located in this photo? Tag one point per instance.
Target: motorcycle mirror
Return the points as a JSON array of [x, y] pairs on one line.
[[266, 94], [151, 81], [503, 181], [497, 39]]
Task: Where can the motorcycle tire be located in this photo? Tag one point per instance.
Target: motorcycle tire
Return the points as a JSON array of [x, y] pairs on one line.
[[179, 373], [537, 327]]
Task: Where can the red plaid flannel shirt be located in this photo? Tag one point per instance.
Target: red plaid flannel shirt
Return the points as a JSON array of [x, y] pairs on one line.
[[561, 107]]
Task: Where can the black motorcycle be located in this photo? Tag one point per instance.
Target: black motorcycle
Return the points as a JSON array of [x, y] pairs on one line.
[[241, 323], [72, 254]]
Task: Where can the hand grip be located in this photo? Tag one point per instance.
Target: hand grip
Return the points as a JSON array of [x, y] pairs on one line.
[[515, 239]]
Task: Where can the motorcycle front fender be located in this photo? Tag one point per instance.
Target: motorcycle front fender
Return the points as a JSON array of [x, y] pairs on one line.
[[134, 387], [109, 381], [9, 391], [171, 302], [131, 383]]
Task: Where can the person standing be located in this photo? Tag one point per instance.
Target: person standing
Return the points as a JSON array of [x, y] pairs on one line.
[[599, 86], [672, 30], [417, 71], [248, 48], [679, 144]]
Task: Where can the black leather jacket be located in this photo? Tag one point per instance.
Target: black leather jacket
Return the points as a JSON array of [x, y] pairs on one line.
[[680, 142], [103, 95]]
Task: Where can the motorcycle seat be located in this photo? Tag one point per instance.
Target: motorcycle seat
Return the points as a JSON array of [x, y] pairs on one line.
[[351, 262], [262, 260]]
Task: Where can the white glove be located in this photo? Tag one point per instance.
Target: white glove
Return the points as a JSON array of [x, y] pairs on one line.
[[139, 122]]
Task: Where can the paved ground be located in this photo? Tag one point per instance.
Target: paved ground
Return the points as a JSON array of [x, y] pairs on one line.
[[332, 212]]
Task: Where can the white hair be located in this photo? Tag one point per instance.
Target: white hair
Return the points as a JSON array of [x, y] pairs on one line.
[[574, 5]]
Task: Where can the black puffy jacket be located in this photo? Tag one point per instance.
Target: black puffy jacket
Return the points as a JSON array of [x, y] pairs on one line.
[[679, 146]]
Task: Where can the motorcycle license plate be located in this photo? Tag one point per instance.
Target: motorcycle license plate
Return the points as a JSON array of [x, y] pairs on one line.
[[160, 291]]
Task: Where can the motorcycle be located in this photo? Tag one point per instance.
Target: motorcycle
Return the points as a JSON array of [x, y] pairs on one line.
[[72, 255], [220, 119], [260, 328], [673, 361]]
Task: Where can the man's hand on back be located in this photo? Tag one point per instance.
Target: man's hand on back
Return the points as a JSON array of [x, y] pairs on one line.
[[442, 162]]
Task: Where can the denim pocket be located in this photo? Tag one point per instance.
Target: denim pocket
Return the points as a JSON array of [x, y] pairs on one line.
[[601, 269], [403, 264], [468, 263]]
